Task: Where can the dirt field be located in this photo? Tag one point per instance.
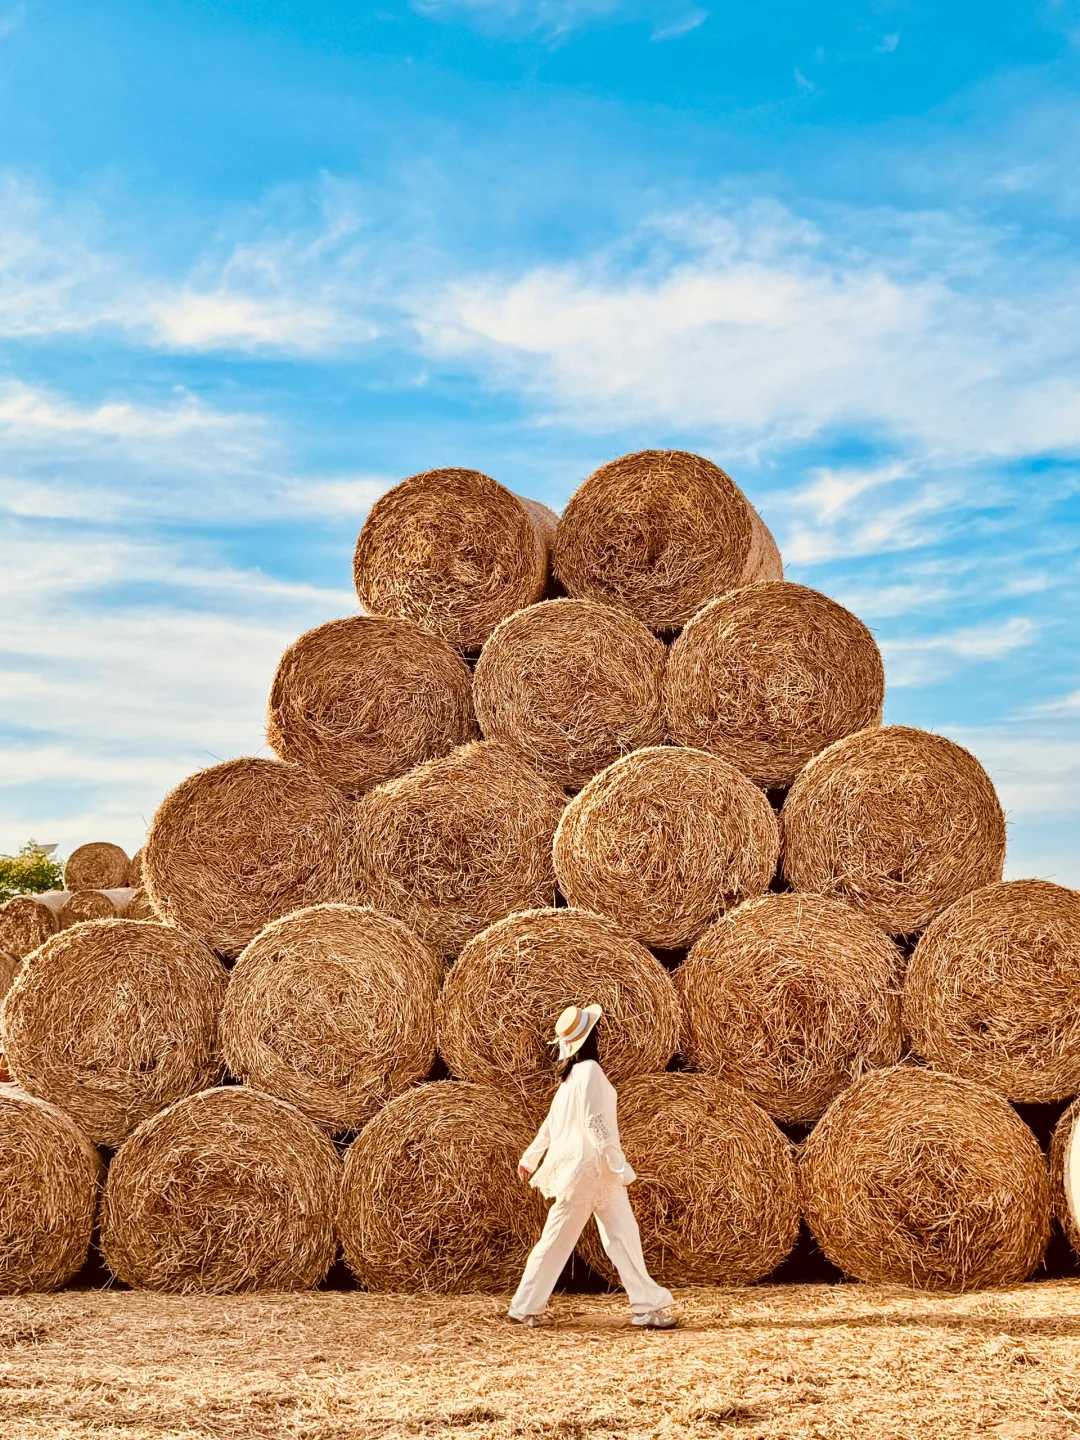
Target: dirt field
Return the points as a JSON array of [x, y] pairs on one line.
[[783, 1361]]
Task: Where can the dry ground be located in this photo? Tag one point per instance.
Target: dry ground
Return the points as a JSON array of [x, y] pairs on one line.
[[830, 1362]]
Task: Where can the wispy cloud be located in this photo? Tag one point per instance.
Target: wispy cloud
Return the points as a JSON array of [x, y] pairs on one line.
[[683, 26], [929, 658]]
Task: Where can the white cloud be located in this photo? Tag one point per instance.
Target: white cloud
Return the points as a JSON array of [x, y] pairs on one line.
[[932, 657], [554, 17], [683, 26]]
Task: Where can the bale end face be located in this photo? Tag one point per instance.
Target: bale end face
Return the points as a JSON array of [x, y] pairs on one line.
[[98, 866]]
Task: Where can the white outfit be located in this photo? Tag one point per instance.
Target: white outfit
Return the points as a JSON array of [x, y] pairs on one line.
[[586, 1173]]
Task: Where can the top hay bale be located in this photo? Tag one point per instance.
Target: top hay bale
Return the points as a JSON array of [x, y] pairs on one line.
[[455, 551], [571, 685], [790, 997], [98, 866], [664, 841], [659, 533], [500, 1000], [992, 991], [768, 676], [458, 843], [922, 1179], [240, 844], [361, 700], [898, 822]]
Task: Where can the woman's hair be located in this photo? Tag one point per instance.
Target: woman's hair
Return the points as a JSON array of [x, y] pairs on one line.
[[590, 1050]]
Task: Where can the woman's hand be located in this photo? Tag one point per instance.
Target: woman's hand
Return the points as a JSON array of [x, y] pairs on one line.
[[524, 1174]]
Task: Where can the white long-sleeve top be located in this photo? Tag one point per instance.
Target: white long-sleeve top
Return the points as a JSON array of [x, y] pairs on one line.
[[581, 1139]]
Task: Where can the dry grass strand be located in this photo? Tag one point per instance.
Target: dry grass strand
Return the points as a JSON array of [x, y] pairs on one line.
[[922, 1179], [898, 822]]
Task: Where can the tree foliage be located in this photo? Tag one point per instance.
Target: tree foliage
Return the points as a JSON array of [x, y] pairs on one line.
[[30, 872]]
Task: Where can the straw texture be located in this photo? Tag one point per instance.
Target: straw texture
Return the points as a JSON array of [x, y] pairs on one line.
[[664, 841], [659, 533], [455, 551], [499, 1005], [571, 685], [114, 1019], [27, 921], [240, 844], [431, 1199], [227, 1190], [458, 843], [1058, 1195], [94, 905], [898, 822], [992, 991], [98, 866], [333, 1009], [361, 700], [135, 871], [716, 1196], [790, 997], [922, 1179], [139, 907], [9, 968], [768, 676], [49, 1177]]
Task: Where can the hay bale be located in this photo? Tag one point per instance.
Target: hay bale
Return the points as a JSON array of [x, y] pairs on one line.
[[135, 872], [992, 991], [571, 685], [455, 551], [361, 700], [458, 843], [1059, 1200], [716, 1197], [227, 1190], [114, 1019], [49, 1178], [768, 676], [660, 533], [898, 822], [98, 866], [430, 1199], [139, 907], [664, 841], [94, 905], [27, 921], [240, 844], [9, 968], [333, 1009], [923, 1179], [500, 1000], [790, 997]]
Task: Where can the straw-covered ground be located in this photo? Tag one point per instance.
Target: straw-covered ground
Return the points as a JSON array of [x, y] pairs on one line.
[[821, 1362]]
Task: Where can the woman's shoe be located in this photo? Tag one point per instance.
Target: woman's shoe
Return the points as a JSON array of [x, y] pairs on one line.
[[655, 1320]]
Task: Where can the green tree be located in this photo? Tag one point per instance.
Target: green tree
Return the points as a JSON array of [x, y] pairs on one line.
[[29, 872]]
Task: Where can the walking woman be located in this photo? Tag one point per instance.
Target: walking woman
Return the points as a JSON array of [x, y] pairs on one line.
[[585, 1173]]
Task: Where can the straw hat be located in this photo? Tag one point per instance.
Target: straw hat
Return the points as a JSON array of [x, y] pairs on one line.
[[573, 1028]]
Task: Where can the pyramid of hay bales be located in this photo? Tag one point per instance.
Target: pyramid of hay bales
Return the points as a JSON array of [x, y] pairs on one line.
[[612, 756]]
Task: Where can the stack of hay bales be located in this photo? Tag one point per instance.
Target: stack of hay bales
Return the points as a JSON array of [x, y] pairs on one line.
[[611, 757], [100, 883]]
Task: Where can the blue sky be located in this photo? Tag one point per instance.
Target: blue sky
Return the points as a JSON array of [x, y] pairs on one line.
[[259, 261]]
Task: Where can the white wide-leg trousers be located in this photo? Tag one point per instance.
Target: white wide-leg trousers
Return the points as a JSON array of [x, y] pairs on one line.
[[621, 1239]]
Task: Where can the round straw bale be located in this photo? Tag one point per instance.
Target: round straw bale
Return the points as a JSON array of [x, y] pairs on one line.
[[430, 1198], [27, 921], [1058, 1196], [664, 841], [139, 907], [98, 866], [113, 1019], [226, 1190], [769, 675], [458, 843], [240, 844], [571, 685], [49, 1179], [361, 700], [333, 1009], [897, 822], [94, 905], [716, 1197], [135, 873], [455, 551], [9, 968], [790, 997], [992, 991], [498, 1007], [922, 1179], [660, 533]]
